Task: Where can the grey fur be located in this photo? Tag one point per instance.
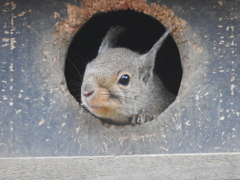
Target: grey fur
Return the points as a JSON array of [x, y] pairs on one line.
[[144, 99]]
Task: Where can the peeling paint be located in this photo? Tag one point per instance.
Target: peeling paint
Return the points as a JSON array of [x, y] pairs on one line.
[[5, 97], [41, 122], [12, 42], [18, 111], [165, 149], [63, 124], [122, 139], [56, 15], [11, 67], [5, 39], [142, 137], [197, 48], [13, 5], [187, 123], [222, 118], [19, 95], [22, 14], [46, 52], [220, 3], [78, 129], [232, 88]]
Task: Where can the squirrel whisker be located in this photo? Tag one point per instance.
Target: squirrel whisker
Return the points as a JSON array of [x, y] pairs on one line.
[[76, 83], [76, 68], [75, 89], [83, 59], [86, 54], [138, 102], [124, 98]]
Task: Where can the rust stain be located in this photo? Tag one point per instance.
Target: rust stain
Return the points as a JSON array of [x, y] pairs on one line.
[[77, 16]]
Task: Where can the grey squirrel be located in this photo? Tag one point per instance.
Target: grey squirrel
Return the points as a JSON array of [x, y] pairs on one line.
[[119, 86]]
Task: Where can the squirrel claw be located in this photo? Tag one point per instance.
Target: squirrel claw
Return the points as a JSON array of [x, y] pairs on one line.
[[142, 117]]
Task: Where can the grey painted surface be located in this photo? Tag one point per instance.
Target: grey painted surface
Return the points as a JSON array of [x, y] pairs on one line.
[[151, 167], [38, 119]]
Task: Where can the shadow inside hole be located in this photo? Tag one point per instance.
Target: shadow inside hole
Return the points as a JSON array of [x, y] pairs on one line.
[[141, 32]]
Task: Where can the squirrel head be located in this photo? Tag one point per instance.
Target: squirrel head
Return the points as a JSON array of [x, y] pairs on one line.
[[118, 81]]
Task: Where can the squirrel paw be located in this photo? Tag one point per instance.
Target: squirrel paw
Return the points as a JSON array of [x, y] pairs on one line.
[[142, 117]]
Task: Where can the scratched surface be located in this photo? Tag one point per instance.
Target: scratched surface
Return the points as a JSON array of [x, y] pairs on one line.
[[37, 118]]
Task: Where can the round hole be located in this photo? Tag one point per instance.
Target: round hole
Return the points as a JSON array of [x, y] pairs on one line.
[[141, 32]]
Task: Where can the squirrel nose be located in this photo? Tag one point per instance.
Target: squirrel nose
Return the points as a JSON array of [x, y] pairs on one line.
[[87, 89], [87, 94]]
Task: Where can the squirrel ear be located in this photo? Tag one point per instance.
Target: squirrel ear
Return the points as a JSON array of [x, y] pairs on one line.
[[110, 38], [148, 59]]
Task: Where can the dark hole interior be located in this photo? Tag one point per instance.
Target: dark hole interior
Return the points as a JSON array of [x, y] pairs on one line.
[[141, 32]]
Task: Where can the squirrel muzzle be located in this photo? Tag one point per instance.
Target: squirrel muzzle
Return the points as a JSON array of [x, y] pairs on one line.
[[97, 100]]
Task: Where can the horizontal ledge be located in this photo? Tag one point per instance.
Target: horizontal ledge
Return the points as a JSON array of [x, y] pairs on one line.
[[162, 166]]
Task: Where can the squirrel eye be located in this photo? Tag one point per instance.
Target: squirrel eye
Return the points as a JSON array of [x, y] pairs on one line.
[[124, 80]]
